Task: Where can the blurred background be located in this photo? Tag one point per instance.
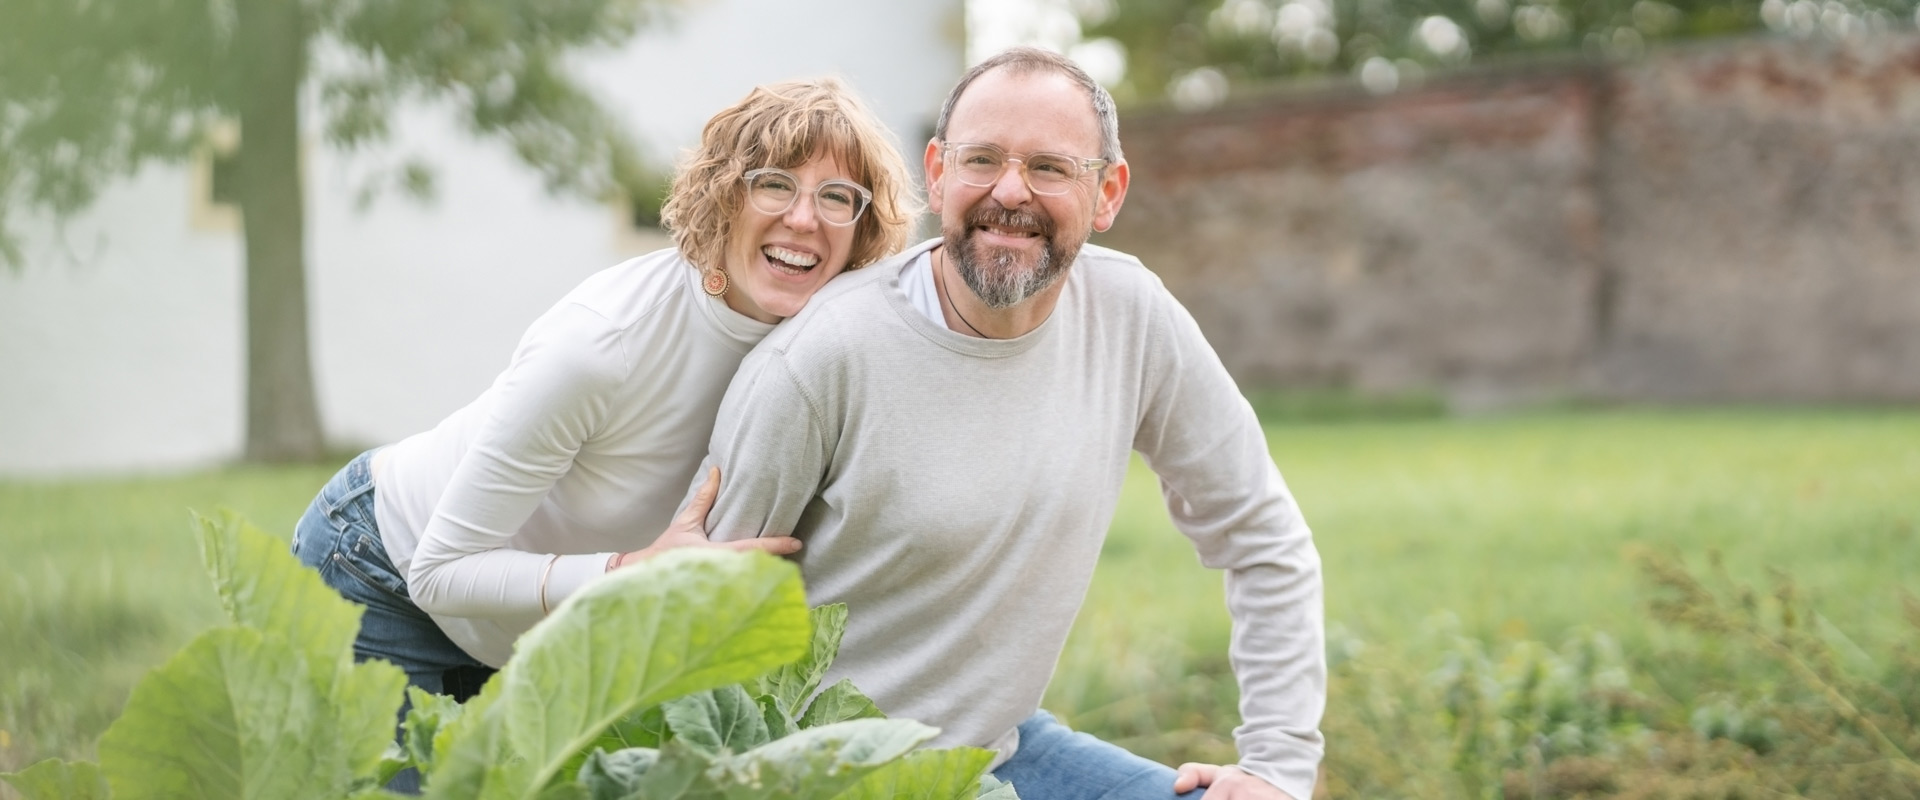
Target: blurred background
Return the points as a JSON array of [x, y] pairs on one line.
[[1586, 331]]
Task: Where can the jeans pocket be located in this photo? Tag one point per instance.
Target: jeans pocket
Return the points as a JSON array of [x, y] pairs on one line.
[[363, 556]]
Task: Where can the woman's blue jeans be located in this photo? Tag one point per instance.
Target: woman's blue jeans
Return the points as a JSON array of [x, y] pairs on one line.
[[1056, 763], [338, 537]]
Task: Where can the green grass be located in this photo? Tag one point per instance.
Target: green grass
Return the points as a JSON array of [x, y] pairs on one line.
[[1514, 528], [101, 582], [1511, 528]]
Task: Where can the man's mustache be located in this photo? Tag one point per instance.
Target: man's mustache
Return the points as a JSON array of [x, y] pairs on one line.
[[999, 216]]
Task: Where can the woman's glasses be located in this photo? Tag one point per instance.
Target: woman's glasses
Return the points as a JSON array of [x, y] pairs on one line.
[[772, 190]]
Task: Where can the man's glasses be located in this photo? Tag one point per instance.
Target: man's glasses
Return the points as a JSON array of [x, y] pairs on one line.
[[772, 191], [1046, 173]]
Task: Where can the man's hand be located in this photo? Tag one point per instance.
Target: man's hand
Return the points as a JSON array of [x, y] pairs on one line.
[[1224, 783], [690, 530]]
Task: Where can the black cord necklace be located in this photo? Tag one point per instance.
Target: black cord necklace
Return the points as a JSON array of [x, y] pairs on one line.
[[940, 276]]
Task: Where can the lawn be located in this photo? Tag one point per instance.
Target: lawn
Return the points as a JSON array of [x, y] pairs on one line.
[[102, 581], [1439, 536]]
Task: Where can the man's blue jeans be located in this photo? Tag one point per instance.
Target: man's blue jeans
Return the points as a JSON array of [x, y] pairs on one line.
[[1056, 763]]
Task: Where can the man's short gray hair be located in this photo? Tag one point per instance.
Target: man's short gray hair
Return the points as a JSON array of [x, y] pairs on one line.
[[1029, 60]]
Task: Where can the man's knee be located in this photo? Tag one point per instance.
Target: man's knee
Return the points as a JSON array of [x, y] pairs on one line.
[[1055, 762]]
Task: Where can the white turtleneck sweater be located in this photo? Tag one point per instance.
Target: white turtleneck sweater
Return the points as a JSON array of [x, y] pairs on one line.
[[583, 447]]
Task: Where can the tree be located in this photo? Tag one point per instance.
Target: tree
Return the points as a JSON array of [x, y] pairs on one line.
[[1192, 51], [90, 90]]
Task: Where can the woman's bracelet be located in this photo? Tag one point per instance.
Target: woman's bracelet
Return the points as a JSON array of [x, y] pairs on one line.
[[544, 575]]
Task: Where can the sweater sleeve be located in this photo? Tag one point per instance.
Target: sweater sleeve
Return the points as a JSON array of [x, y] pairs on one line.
[[553, 398], [1200, 436], [768, 445]]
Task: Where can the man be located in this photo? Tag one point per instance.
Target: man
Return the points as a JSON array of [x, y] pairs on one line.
[[947, 431]]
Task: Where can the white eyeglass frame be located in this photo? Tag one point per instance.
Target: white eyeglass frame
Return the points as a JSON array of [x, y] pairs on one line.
[[1085, 165], [866, 196]]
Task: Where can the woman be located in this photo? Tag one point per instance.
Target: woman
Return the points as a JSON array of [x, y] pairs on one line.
[[571, 465]]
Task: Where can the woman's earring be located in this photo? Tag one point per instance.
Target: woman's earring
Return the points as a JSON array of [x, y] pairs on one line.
[[715, 282]]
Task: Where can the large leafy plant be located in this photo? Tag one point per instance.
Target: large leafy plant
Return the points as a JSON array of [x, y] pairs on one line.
[[696, 675]]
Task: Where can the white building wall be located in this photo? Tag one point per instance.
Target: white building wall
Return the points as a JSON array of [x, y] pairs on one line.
[[121, 343]]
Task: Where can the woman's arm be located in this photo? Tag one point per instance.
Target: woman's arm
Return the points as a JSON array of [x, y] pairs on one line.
[[553, 398], [569, 375]]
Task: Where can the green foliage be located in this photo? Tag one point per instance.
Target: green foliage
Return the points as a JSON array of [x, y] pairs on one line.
[[816, 763], [91, 91], [78, 780], [1751, 725], [427, 715], [1834, 732], [1535, 706], [1248, 42], [791, 685], [216, 720], [649, 660], [1778, 714], [839, 703], [724, 719], [646, 196], [1518, 524], [1515, 522], [932, 775], [101, 587]]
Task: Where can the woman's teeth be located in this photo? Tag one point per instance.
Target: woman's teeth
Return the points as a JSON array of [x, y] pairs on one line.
[[788, 260]]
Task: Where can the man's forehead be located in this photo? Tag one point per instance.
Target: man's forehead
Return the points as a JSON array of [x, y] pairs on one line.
[[1003, 106]]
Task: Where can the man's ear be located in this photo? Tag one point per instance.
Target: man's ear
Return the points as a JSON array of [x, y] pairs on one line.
[[936, 168], [1113, 192]]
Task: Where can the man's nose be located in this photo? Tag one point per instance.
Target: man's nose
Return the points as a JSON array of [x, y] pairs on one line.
[[1011, 188]]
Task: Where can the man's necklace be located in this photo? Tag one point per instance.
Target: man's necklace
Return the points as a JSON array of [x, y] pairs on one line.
[[940, 276]]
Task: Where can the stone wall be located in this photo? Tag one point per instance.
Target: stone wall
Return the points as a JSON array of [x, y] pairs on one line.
[[1737, 221]]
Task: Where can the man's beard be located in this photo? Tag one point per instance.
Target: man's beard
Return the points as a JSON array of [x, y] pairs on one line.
[[999, 276]]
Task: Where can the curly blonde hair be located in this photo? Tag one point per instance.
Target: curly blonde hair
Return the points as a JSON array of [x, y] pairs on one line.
[[784, 125]]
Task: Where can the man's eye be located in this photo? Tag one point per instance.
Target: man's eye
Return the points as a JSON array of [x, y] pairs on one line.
[[1051, 166]]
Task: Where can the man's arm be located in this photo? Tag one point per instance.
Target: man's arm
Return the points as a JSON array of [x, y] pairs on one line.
[[1221, 487], [768, 445]]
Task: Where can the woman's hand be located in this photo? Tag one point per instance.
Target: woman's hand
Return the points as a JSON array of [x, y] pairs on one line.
[[1224, 783], [690, 530]]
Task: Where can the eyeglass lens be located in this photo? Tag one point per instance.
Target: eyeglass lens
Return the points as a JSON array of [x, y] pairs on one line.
[[1047, 173], [774, 192]]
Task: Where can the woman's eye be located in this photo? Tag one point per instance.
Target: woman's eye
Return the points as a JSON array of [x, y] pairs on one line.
[[836, 197]]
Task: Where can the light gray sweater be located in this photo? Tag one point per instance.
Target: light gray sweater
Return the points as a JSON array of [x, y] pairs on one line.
[[954, 493]]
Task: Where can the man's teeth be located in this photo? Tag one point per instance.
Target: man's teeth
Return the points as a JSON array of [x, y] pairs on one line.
[[782, 257], [1007, 231]]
